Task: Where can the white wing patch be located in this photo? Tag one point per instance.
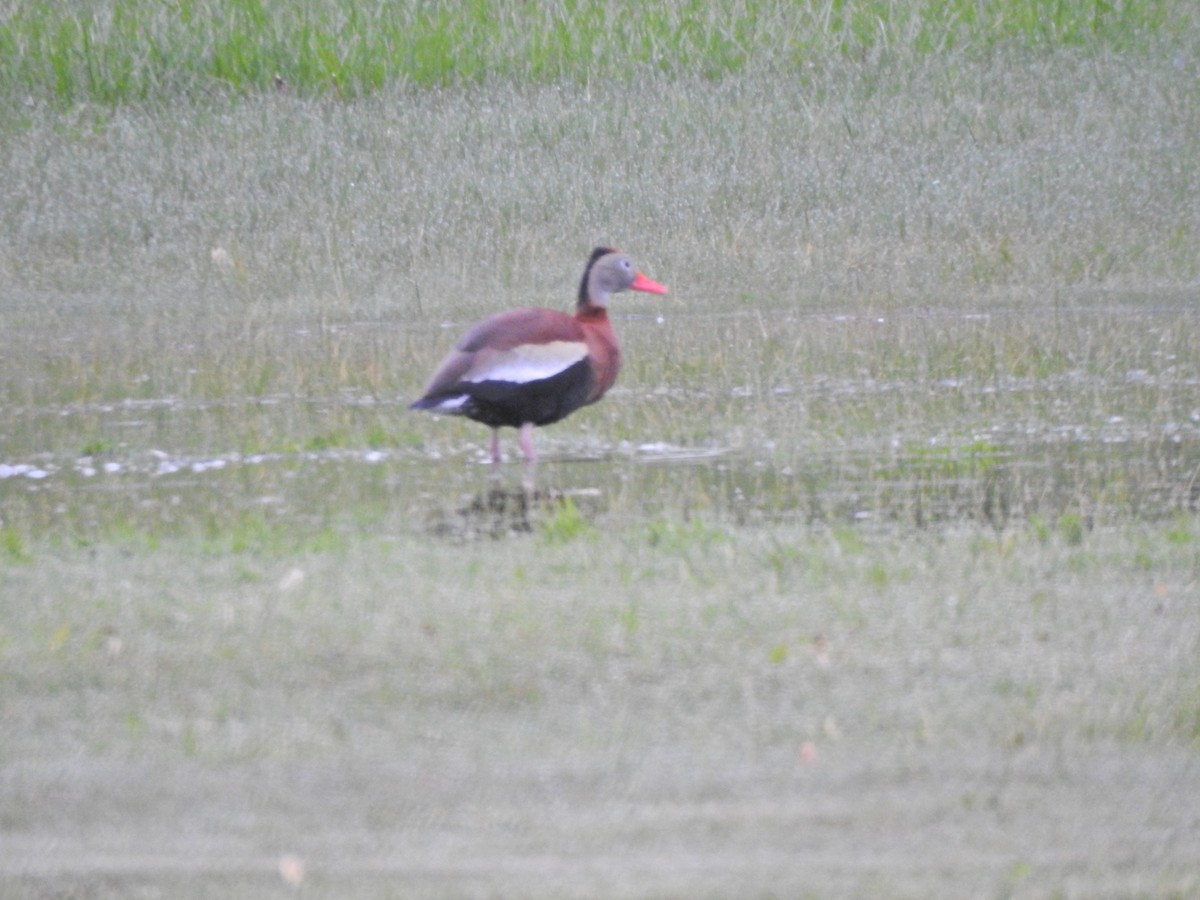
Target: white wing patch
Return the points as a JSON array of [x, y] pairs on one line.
[[530, 362], [451, 404]]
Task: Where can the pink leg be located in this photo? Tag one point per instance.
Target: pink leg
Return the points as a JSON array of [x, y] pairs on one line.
[[496, 446], [527, 442]]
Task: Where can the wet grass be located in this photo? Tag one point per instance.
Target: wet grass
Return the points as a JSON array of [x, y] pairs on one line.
[[883, 548]]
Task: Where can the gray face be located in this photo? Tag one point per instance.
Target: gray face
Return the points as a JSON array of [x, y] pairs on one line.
[[610, 275]]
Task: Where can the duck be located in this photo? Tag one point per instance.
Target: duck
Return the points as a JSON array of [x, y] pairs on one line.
[[531, 367]]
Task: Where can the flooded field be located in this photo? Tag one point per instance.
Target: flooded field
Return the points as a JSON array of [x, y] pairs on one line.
[[876, 573], [1110, 476], [1105, 432], [851, 625]]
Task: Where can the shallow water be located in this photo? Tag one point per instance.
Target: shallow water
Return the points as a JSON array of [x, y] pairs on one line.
[[905, 418], [1109, 474]]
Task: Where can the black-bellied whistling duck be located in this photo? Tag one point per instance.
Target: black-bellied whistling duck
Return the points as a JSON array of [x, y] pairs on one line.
[[534, 366]]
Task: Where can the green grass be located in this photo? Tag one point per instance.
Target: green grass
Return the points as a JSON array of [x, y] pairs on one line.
[[882, 548], [565, 522], [128, 51], [343, 696]]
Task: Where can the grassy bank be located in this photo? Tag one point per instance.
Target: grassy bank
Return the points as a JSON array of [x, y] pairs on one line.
[[626, 712], [135, 50], [673, 609]]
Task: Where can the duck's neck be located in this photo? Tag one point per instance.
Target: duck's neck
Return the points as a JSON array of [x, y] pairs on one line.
[[592, 314]]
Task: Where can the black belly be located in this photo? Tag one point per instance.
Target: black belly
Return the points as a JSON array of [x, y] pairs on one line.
[[498, 403]]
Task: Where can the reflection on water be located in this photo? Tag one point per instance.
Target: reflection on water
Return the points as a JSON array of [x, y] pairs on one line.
[[987, 483], [497, 512]]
